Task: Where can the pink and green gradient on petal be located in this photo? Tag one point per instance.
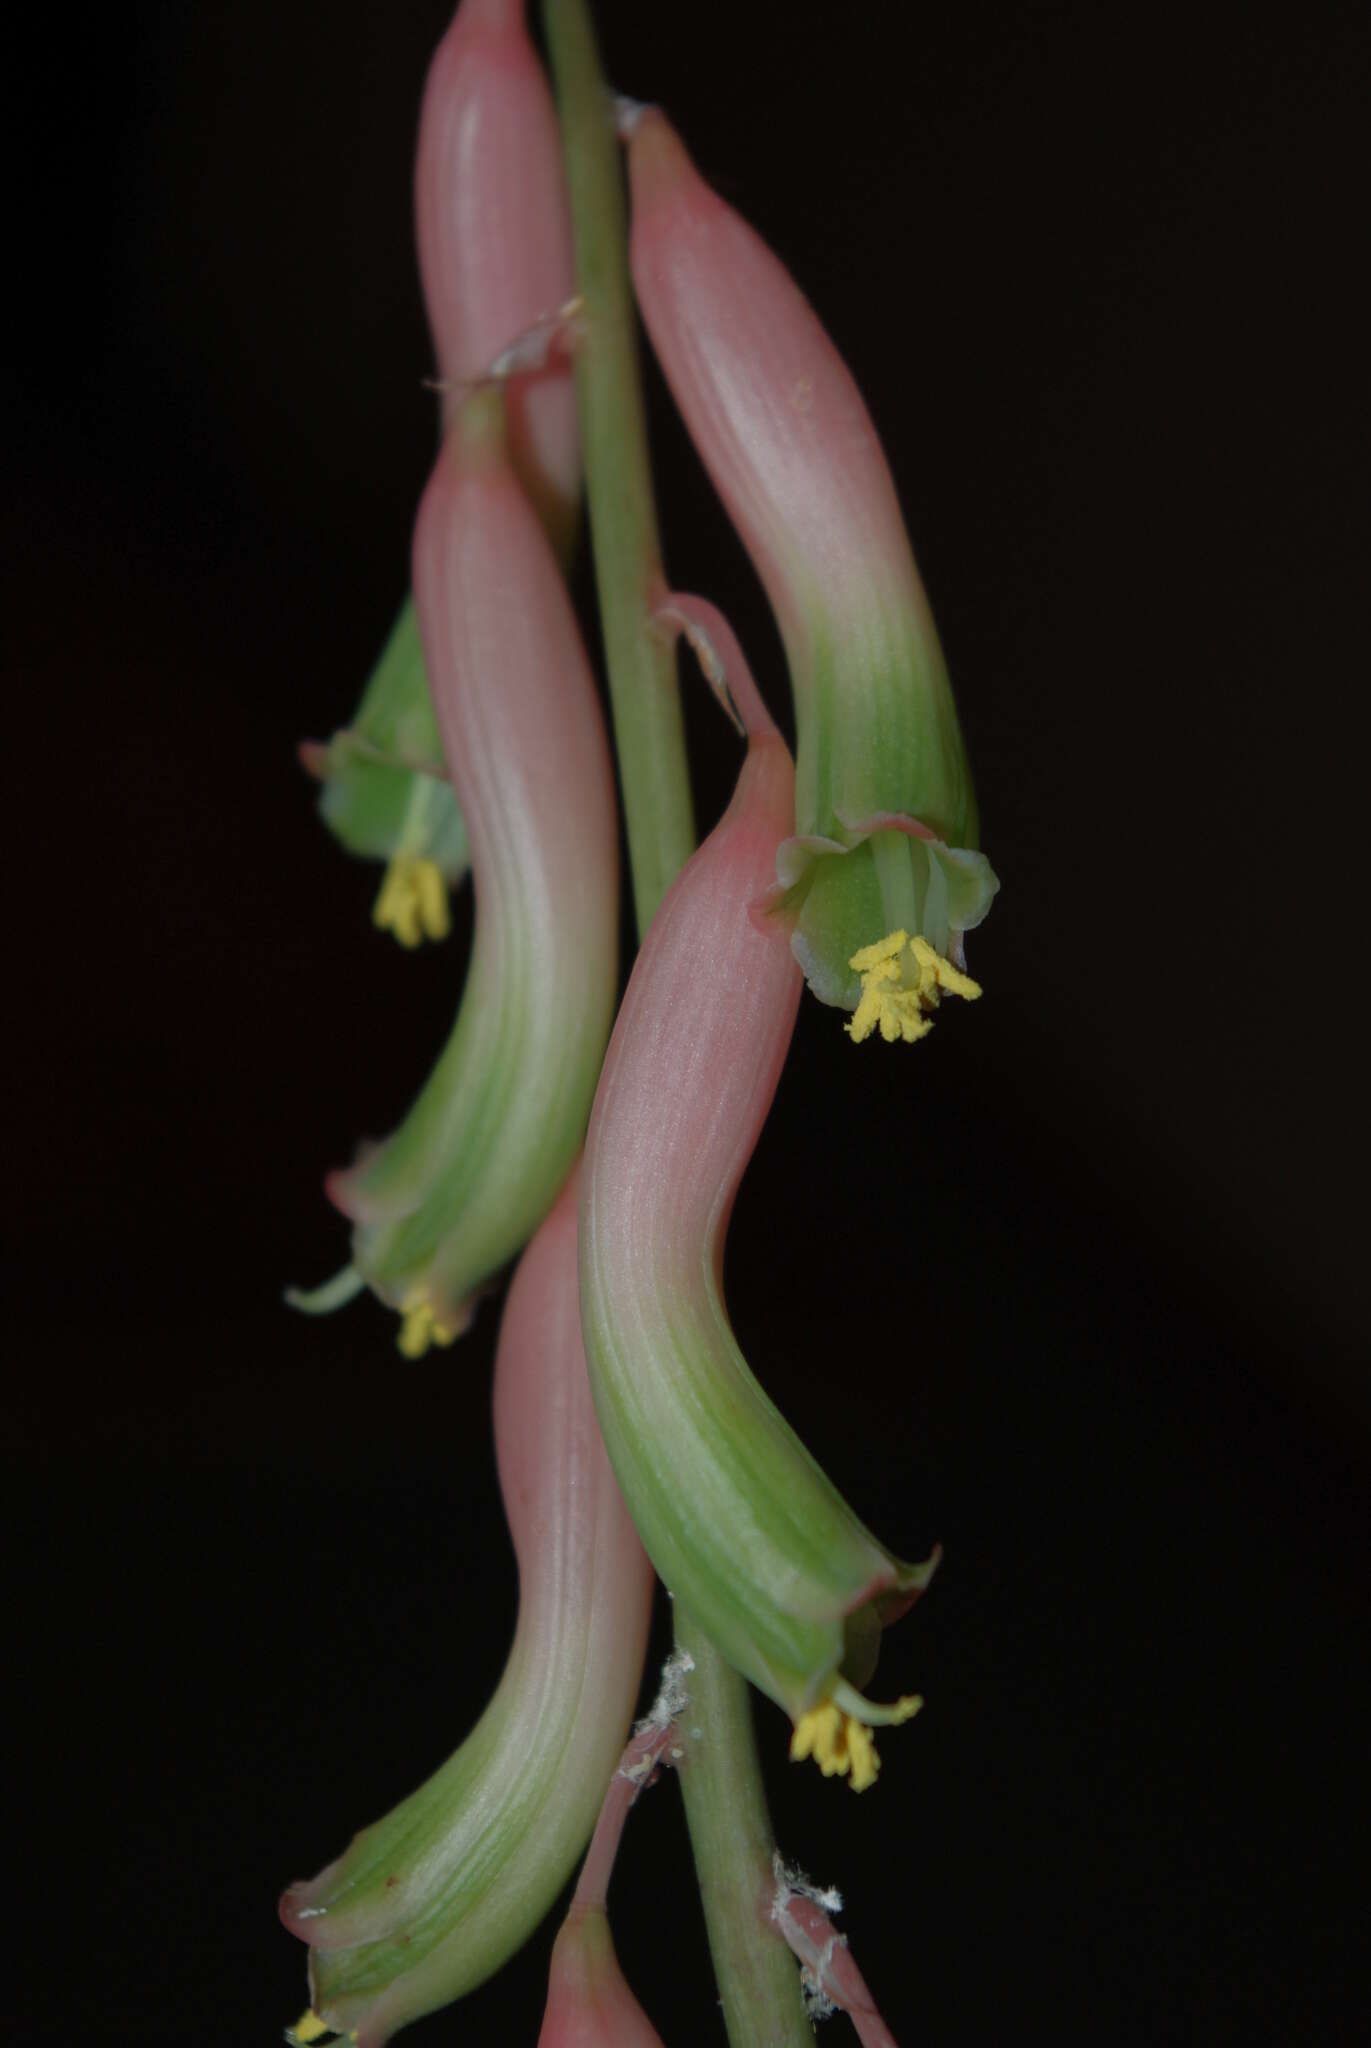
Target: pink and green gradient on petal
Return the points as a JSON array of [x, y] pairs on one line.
[[426, 1903], [737, 1517], [458, 1188], [495, 259], [885, 833], [494, 237]]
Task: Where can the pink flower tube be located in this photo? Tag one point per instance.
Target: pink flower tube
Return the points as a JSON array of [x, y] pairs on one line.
[[884, 841], [458, 1188], [494, 235], [737, 1517], [495, 258], [426, 1903]]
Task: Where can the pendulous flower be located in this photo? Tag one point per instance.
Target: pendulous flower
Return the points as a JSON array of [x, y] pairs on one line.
[[426, 1903], [495, 261], [387, 795], [444, 1202], [735, 1514], [885, 838]]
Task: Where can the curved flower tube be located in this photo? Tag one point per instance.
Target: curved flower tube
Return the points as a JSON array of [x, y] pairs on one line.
[[495, 259], [885, 842], [494, 236], [458, 1188], [736, 1516], [426, 1903]]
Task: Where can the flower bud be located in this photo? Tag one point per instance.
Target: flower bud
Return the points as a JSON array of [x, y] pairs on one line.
[[736, 1516], [884, 846], [426, 1903], [457, 1189], [495, 258]]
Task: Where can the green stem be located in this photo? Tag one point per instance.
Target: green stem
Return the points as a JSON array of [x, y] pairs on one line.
[[730, 1830], [648, 732], [730, 1833]]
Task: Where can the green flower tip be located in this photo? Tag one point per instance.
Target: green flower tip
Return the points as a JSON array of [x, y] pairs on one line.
[[386, 793]]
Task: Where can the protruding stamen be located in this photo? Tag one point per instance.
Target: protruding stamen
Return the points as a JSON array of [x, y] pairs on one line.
[[837, 1734], [420, 1326], [309, 2027], [903, 978], [413, 900]]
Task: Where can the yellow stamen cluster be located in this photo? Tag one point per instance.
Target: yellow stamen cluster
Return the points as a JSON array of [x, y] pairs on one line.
[[420, 1327], [841, 1745], [413, 900], [903, 978], [309, 2027]]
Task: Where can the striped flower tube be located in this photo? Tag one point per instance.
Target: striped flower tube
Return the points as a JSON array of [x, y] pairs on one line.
[[880, 875], [737, 1517], [495, 260], [427, 1902], [453, 1194]]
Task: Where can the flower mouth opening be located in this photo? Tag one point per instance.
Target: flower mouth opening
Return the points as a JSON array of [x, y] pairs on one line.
[[889, 874]]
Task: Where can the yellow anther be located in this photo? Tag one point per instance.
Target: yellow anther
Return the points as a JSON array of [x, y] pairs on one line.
[[413, 900], [867, 958], [903, 978], [309, 2027], [821, 1733], [420, 1327], [949, 979], [861, 1751], [841, 1744]]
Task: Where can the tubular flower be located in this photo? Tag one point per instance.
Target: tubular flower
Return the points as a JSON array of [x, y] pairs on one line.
[[495, 259], [737, 1517], [426, 1903], [387, 795], [457, 1189], [885, 835]]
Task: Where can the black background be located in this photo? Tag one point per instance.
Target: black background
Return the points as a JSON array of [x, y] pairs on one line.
[[1078, 1287]]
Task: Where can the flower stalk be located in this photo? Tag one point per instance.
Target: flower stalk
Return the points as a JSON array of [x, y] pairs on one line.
[[725, 1805], [649, 736]]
